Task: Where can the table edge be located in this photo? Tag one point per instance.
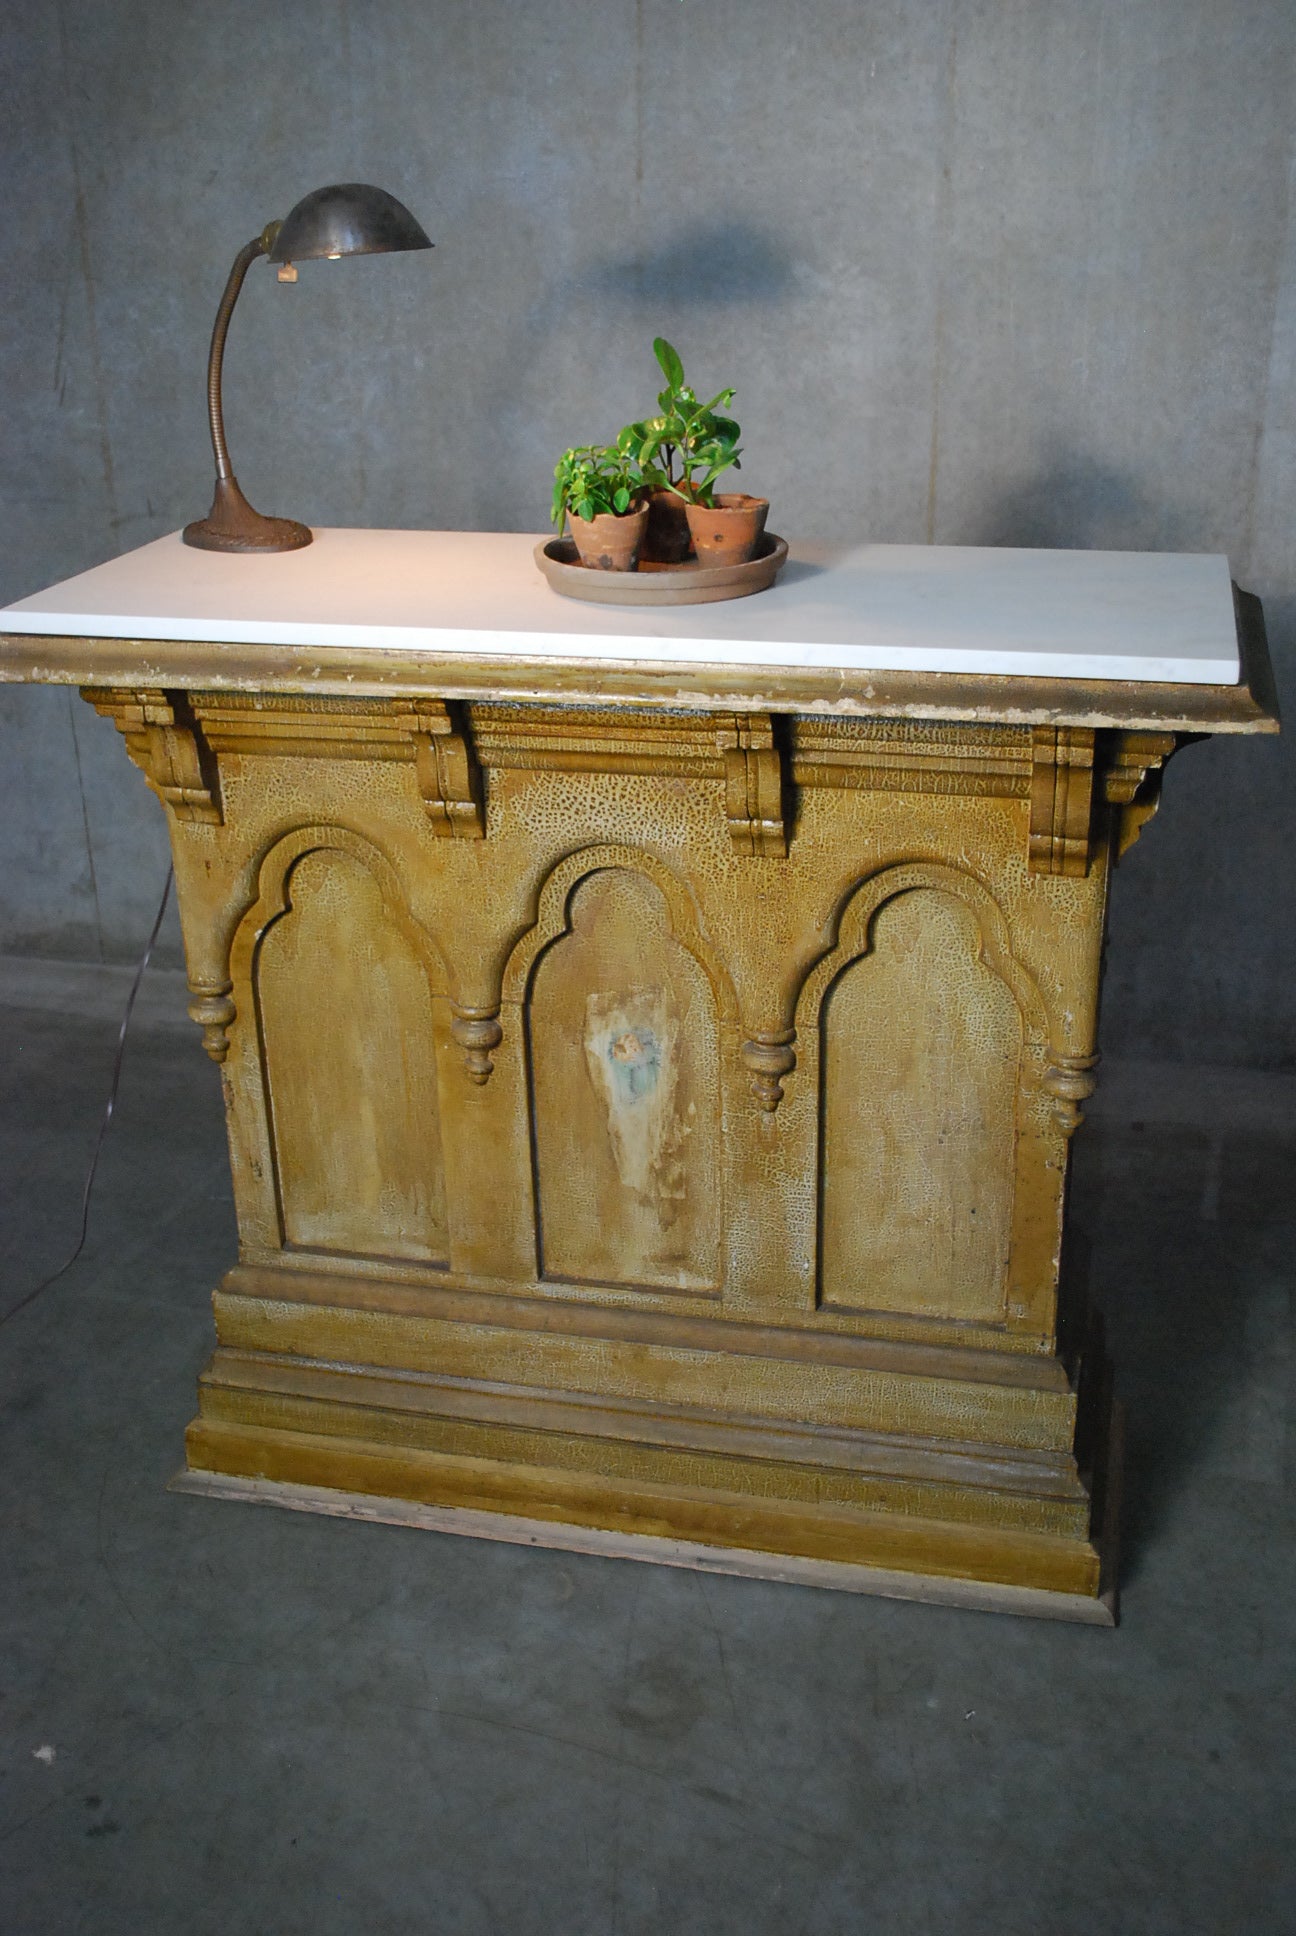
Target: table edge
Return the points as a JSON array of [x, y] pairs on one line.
[[1250, 706]]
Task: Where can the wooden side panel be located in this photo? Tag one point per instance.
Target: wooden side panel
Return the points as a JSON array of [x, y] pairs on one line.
[[344, 1015], [921, 1048], [625, 1069]]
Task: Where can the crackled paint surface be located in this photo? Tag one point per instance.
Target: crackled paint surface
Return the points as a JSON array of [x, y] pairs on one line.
[[922, 1043], [343, 1009]]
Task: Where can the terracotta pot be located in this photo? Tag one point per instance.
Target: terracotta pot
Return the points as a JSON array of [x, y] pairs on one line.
[[608, 542], [728, 533], [668, 541]]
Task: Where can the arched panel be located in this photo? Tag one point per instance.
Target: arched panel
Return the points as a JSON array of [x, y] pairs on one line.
[[920, 1046], [344, 1015], [624, 1047]]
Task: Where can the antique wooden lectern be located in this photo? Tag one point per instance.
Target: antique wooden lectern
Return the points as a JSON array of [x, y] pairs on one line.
[[651, 1039]]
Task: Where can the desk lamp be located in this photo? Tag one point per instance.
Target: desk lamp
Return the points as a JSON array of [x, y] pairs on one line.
[[348, 219]]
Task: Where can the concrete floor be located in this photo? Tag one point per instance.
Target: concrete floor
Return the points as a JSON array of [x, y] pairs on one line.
[[230, 1720]]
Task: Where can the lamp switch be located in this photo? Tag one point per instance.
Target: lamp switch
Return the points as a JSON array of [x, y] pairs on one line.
[[287, 272]]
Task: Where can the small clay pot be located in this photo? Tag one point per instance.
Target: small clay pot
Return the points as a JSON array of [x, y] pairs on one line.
[[730, 531], [609, 542], [668, 541]]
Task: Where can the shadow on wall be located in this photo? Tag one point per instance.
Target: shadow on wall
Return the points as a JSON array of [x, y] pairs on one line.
[[721, 269], [728, 262], [1075, 503]]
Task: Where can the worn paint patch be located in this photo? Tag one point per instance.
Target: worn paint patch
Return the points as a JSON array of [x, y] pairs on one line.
[[631, 1044], [625, 1071]]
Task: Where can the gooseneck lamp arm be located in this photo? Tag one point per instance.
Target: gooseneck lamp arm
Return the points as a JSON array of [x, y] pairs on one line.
[[232, 524], [350, 218], [242, 263]]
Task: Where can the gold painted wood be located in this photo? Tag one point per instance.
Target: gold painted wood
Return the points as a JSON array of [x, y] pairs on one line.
[[753, 767], [649, 1093], [169, 747], [743, 1562], [919, 1119], [382, 1190], [1061, 799]]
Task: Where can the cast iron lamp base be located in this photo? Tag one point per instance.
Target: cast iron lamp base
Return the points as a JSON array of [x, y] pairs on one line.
[[233, 525], [351, 218]]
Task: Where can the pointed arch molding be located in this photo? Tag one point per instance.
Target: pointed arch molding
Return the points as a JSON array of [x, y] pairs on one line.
[[213, 1007], [1065, 1077], [553, 919], [994, 948]]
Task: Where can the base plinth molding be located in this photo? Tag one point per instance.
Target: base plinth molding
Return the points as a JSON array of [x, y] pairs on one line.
[[645, 1521]]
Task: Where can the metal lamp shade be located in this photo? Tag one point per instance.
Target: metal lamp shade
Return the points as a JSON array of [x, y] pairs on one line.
[[350, 218]]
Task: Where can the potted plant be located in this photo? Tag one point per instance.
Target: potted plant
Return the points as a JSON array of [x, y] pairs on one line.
[[599, 491], [727, 529], [681, 452]]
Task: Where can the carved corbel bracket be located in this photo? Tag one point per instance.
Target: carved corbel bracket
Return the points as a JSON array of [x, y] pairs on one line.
[[1132, 783], [1070, 1080], [449, 778], [769, 1056], [213, 1010], [478, 1033], [753, 768], [1061, 799], [168, 746]]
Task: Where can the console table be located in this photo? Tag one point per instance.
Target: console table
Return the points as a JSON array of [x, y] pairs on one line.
[[651, 1039]]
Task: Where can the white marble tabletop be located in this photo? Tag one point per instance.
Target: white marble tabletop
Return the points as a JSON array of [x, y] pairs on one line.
[[1135, 615]]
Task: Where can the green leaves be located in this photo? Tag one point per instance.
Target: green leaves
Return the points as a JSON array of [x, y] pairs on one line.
[[642, 440], [684, 448], [591, 480], [672, 368], [689, 444]]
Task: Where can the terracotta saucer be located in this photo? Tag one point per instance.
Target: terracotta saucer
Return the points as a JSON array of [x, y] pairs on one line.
[[688, 584]]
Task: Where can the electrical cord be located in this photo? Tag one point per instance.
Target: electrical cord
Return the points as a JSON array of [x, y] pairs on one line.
[[63, 1269]]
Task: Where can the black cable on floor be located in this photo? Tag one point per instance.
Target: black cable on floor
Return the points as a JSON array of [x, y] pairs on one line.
[[111, 1104]]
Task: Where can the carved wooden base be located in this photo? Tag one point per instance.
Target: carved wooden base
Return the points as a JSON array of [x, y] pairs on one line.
[[782, 1455], [887, 1583], [650, 1089], [651, 1120]]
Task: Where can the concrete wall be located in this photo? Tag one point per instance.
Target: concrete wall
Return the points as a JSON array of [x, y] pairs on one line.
[[984, 271]]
